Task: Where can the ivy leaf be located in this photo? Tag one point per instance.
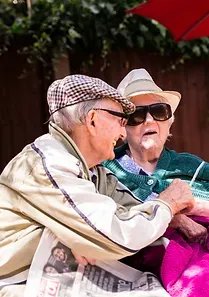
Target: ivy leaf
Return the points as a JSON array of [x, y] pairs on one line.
[[86, 27], [73, 34]]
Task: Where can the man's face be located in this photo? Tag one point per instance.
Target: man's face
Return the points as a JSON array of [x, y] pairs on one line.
[[59, 254], [110, 128], [150, 135]]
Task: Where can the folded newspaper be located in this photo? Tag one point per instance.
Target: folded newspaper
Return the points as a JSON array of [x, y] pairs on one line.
[[55, 273]]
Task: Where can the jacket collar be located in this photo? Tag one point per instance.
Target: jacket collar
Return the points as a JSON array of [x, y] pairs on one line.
[[69, 144]]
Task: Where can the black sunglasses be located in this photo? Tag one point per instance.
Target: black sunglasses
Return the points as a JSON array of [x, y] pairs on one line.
[[124, 117], [159, 112]]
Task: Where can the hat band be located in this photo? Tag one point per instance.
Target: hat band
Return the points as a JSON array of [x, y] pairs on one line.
[[141, 85]]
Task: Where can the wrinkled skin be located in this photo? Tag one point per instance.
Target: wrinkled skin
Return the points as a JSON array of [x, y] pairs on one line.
[[146, 142], [82, 260], [178, 196], [191, 230], [146, 148]]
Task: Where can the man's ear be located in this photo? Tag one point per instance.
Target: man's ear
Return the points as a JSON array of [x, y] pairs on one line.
[[91, 121]]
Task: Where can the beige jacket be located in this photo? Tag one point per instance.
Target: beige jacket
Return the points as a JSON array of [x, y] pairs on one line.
[[49, 184]]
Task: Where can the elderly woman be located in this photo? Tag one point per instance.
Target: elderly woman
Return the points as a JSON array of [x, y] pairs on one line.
[[144, 165]]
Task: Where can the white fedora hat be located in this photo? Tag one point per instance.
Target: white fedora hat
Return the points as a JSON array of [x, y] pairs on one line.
[[139, 82]]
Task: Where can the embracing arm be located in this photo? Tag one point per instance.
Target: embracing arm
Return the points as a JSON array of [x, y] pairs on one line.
[[53, 194], [192, 231]]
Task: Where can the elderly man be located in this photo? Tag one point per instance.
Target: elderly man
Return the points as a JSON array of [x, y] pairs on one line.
[[54, 182]]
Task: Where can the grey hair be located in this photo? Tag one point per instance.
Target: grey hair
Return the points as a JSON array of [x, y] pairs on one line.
[[68, 117]]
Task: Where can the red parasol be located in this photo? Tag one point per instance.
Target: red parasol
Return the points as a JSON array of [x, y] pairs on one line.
[[185, 19]]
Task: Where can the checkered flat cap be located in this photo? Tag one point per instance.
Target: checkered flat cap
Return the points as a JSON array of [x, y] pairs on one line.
[[77, 88]]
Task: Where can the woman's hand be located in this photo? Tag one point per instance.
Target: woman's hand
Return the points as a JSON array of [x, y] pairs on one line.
[[193, 231], [201, 208]]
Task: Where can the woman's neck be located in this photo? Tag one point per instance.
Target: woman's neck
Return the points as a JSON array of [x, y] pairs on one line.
[[147, 160]]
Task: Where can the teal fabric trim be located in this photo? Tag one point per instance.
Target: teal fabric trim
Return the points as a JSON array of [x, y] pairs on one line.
[[170, 165]]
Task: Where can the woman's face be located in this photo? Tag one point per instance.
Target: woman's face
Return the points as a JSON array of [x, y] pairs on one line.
[[151, 135], [50, 270]]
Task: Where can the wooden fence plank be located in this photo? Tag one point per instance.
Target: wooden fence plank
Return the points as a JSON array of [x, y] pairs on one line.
[[23, 103]]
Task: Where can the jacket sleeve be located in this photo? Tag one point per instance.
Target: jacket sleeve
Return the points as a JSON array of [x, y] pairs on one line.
[[54, 195]]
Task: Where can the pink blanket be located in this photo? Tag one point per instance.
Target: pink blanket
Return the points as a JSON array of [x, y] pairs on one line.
[[184, 269]]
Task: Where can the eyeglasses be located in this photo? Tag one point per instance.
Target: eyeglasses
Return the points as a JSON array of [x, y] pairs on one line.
[[159, 112], [124, 117]]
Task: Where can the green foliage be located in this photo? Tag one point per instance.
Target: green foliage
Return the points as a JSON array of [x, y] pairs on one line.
[[86, 28]]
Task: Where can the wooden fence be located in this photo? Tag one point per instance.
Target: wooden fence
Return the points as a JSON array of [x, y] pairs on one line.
[[23, 108]]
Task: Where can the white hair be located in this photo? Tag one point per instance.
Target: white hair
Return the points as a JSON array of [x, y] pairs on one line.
[[68, 117]]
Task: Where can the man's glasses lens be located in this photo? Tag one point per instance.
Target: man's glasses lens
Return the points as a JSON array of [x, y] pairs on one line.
[[124, 117], [159, 112]]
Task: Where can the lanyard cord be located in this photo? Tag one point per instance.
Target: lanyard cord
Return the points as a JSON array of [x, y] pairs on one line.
[[196, 173]]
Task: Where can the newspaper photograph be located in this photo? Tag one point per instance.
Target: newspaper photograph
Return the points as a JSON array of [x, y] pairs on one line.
[[55, 273]]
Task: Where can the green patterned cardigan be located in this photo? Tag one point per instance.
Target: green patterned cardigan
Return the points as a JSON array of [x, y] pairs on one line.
[[170, 165]]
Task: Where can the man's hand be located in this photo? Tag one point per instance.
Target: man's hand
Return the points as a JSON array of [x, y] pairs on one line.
[[178, 196], [82, 260], [193, 231]]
